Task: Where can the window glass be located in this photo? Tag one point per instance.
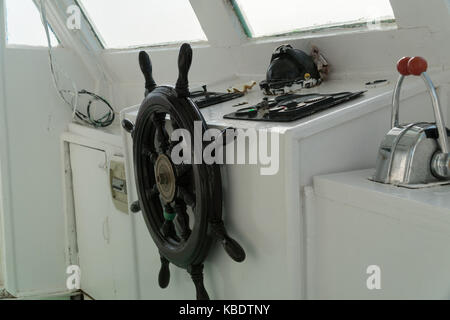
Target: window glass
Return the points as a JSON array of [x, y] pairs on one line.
[[24, 26], [134, 23], [266, 17]]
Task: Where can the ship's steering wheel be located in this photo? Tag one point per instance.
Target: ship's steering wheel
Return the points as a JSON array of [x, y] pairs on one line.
[[181, 204]]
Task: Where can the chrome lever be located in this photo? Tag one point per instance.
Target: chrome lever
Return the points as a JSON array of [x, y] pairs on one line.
[[418, 66]]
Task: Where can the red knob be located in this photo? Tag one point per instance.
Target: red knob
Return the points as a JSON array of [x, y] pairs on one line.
[[417, 66], [402, 66]]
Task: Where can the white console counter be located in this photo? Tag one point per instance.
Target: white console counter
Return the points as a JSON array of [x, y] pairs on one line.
[[359, 223]]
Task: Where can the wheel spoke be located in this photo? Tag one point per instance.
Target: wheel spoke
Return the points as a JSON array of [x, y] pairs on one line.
[[147, 152], [187, 196], [182, 220], [154, 192], [174, 124], [183, 169], [161, 134], [168, 230], [168, 227]]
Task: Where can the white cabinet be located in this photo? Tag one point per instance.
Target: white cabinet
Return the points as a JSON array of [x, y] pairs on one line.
[[103, 233], [90, 188], [371, 231]]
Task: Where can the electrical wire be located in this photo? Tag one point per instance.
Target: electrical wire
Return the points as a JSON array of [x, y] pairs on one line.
[[104, 121], [101, 122]]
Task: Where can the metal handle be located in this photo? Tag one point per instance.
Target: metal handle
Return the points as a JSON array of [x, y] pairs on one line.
[[417, 66], [184, 65], [440, 123], [147, 70], [396, 102]]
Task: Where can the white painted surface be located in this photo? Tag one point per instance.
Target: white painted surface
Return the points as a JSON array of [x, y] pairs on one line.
[[100, 236], [415, 105], [2, 242], [266, 213], [359, 223], [261, 227], [34, 224], [32, 117], [4, 159], [92, 204]]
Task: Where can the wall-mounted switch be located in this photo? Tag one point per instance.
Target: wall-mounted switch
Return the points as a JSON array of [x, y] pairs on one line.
[[118, 184]]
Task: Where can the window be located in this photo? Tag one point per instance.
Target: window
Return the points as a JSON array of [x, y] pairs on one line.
[[24, 26], [135, 23], [267, 17]]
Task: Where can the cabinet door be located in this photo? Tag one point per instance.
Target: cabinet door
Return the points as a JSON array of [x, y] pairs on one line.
[[92, 204]]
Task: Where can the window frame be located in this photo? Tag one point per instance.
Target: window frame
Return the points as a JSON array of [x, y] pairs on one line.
[[91, 25], [102, 42], [29, 46], [387, 24]]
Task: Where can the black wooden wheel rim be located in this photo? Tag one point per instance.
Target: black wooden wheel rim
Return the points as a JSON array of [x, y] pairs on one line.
[[167, 192], [198, 186]]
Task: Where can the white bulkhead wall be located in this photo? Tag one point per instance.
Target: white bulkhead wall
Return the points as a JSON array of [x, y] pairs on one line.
[[32, 118], [4, 188]]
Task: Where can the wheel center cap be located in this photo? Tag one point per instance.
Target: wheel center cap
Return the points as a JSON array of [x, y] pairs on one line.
[[165, 178]]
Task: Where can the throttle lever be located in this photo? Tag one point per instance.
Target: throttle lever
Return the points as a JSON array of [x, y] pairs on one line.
[[418, 66]]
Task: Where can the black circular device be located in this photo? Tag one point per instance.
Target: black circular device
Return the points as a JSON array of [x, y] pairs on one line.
[[289, 66], [181, 203]]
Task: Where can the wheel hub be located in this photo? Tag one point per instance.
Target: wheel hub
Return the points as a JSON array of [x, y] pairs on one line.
[[165, 178]]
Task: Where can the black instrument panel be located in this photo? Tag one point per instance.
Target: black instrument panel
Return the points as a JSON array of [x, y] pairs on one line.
[[292, 107], [206, 98]]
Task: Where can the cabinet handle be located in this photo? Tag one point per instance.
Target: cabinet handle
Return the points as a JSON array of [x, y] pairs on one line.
[[106, 234], [104, 165]]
